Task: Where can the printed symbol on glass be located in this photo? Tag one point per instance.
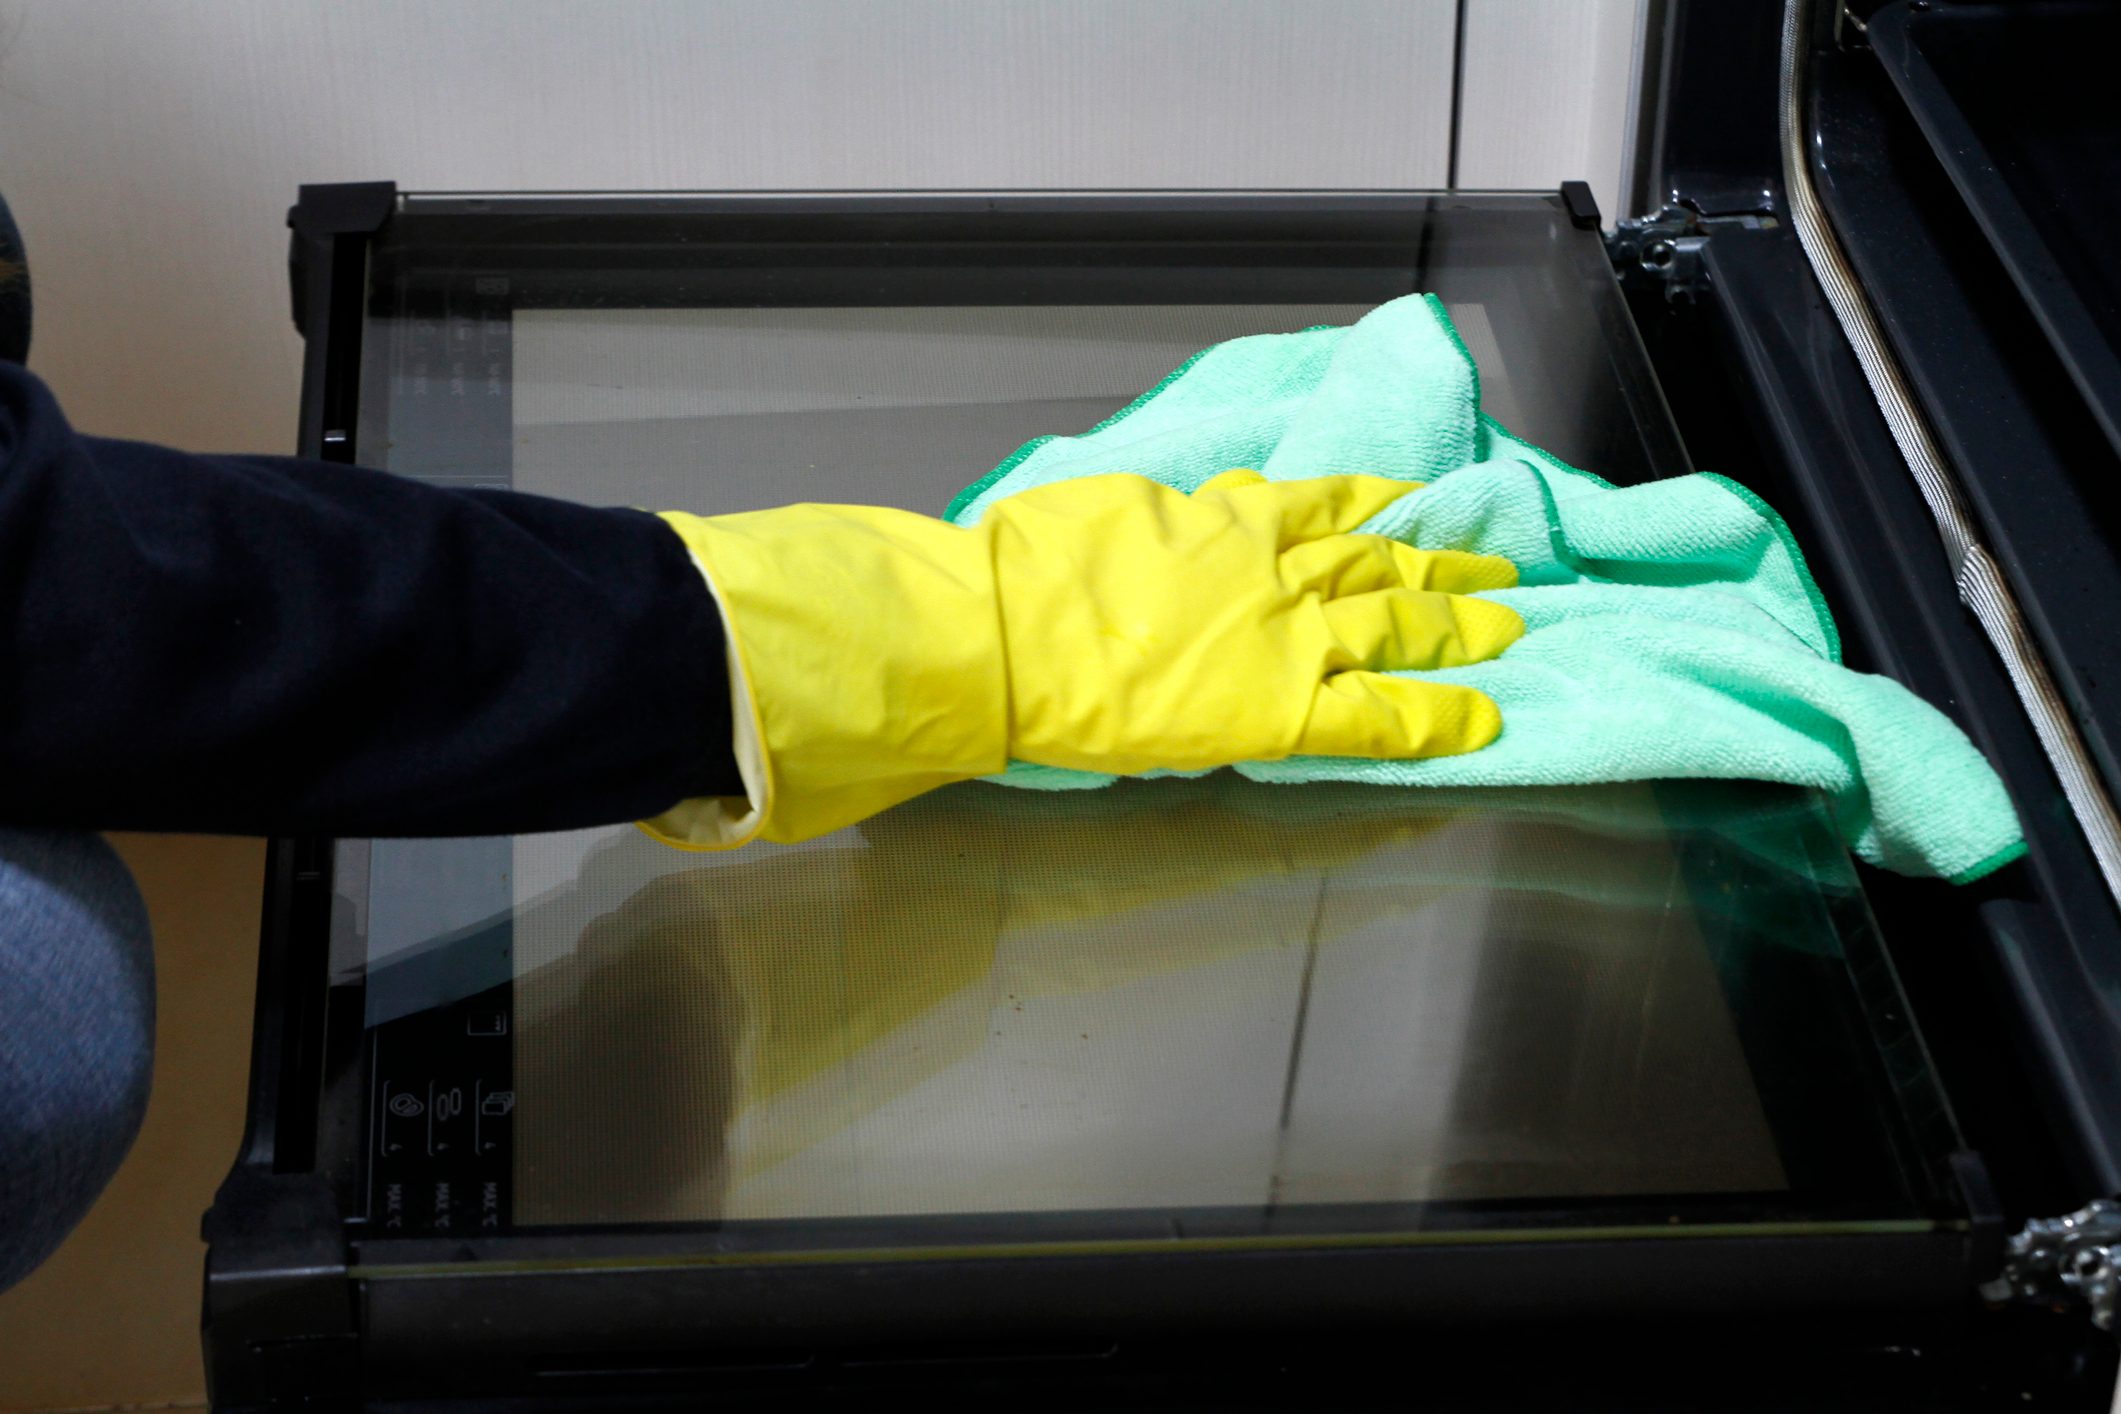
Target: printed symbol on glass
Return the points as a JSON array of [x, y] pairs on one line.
[[442, 1107], [499, 1103], [405, 1105]]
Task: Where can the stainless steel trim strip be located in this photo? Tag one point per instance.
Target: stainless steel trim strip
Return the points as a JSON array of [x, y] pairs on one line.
[[1978, 578]]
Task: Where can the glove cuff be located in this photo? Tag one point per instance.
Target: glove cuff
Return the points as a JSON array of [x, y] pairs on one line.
[[865, 662]]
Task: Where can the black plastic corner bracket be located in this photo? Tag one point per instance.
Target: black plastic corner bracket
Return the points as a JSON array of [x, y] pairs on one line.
[[279, 1319], [1582, 206], [323, 212], [327, 259], [341, 208]]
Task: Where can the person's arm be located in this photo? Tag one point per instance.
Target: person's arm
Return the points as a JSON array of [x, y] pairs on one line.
[[264, 645]]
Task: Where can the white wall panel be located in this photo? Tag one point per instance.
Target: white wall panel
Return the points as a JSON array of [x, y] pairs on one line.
[[1548, 94], [150, 149]]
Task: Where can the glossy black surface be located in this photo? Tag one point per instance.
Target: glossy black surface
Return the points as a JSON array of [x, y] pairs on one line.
[[2015, 981], [2017, 102], [2031, 458], [2024, 955]]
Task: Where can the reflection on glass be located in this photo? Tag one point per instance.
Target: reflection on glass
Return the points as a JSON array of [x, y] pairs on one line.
[[904, 406], [1176, 993]]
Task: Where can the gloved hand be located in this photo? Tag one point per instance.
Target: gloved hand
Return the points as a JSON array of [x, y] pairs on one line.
[[1107, 623]]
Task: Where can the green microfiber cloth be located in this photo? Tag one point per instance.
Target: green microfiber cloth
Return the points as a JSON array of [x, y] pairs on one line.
[[1671, 629]]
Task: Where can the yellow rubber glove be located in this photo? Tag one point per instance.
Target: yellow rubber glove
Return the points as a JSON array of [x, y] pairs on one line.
[[1107, 623]]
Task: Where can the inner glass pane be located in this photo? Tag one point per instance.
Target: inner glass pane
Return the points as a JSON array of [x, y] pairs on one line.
[[903, 406], [1380, 1007]]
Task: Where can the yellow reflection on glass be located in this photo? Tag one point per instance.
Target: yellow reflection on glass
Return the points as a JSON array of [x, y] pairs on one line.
[[1173, 993]]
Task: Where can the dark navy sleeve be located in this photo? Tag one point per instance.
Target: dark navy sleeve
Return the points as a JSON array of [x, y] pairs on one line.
[[268, 645]]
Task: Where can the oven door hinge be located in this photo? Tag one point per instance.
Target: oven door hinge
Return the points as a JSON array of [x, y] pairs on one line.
[[1665, 249], [2070, 1260]]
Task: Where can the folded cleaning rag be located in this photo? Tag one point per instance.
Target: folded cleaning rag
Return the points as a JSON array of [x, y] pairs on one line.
[[1671, 629]]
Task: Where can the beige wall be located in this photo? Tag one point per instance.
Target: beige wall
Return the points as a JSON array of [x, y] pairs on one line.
[[1548, 94]]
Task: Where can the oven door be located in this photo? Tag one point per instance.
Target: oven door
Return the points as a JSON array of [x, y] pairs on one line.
[[1016, 1080]]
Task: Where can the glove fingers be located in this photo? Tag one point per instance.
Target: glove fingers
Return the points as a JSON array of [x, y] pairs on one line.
[[1419, 629], [1368, 714], [1340, 565], [1307, 509]]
